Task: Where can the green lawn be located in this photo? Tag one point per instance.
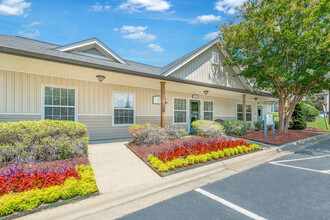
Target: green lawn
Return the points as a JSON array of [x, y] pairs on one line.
[[319, 124]]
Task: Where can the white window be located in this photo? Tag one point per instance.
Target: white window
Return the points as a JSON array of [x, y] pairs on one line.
[[60, 103], [123, 108], [180, 111], [215, 58], [208, 110], [240, 112]]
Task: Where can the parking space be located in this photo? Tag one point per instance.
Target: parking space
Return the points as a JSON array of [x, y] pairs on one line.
[[293, 187]]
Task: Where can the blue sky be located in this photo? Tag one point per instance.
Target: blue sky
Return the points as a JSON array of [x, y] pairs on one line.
[[153, 32]]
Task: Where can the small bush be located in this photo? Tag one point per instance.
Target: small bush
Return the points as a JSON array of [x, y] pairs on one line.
[[202, 158], [215, 155], [163, 168], [221, 154], [209, 156], [310, 112], [38, 141], [227, 152], [147, 134], [298, 119], [237, 127], [174, 132], [240, 149], [209, 129], [275, 114], [190, 159], [259, 125], [170, 165]]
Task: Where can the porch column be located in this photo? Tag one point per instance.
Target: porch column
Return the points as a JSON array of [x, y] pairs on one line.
[[162, 108], [244, 107]]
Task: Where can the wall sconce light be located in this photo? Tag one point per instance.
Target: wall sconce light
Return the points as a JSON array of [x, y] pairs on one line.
[[256, 99], [166, 104], [100, 78], [206, 92]]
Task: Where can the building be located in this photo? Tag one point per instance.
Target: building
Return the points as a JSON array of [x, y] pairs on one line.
[[89, 83], [325, 97]]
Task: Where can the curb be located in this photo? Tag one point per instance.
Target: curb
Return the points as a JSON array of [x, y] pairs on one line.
[[92, 206], [303, 141]]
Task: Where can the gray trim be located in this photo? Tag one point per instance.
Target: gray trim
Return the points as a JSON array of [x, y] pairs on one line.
[[17, 117]]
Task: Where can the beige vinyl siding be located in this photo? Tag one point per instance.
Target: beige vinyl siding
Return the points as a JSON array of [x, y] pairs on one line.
[[19, 117], [201, 69]]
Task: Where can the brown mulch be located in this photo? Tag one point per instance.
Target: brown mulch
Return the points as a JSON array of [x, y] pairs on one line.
[[280, 138], [51, 164], [143, 151], [314, 129]]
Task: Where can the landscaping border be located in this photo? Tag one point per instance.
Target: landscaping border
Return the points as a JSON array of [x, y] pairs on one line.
[[291, 144], [19, 214]]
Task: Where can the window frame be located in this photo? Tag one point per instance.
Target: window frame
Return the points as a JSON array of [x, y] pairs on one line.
[[218, 56], [113, 108], [208, 111], [43, 105], [183, 123], [245, 113]]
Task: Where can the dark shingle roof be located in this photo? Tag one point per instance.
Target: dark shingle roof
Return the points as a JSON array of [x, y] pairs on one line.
[[28, 45]]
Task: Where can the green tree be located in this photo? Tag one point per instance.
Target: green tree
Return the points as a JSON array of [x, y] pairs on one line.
[[282, 47]]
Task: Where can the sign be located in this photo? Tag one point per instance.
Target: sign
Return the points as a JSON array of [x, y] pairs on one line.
[[157, 100], [269, 120], [195, 96]]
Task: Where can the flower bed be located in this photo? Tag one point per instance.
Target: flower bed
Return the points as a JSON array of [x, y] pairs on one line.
[[190, 154], [25, 191]]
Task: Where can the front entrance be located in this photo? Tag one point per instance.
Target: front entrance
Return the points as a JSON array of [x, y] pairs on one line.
[[259, 113], [194, 112]]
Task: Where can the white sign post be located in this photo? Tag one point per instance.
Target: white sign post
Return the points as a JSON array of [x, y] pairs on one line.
[[269, 120]]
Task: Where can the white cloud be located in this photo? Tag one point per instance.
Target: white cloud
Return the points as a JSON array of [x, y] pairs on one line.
[[206, 19], [29, 34], [141, 36], [211, 36], [156, 48], [13, 7], [132, 29], [136, 32], [35, 23], [149, 5], [228, 6], [98, 7]]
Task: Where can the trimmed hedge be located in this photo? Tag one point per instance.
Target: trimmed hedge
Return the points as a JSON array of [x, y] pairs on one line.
[[237, 127], [310, 112], [259, 125], [38, 141], [208, 128]]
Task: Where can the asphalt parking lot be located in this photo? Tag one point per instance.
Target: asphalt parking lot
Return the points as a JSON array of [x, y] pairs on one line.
[[294, 187]]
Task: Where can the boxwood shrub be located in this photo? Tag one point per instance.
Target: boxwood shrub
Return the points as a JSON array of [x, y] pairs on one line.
[[209, 129], [237, 127], [45, 140]]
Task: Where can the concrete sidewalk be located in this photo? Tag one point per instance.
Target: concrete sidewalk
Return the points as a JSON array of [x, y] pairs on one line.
[[116, 167]]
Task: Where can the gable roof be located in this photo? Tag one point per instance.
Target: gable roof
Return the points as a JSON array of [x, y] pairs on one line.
[[89, 44], [176, 64], [43, 50]]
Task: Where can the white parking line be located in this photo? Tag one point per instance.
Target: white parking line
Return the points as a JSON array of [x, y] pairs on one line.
[[301, 168], [305, 158], [230, 205]]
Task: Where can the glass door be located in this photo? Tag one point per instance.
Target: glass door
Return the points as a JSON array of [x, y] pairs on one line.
[[194, 112], [260, 113]]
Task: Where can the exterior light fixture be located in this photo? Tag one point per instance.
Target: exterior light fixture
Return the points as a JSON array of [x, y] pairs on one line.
[[256, 99], [206, 92], [100, 78]]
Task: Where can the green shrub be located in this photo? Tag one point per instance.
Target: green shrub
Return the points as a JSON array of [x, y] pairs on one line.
[[174, 132], [275, 114], [259, 125], [150, 157], [244, 148], [32, 198], [215, 155], [202, 158], [170, 165], [146, 134], [163, 168], [190, 159], [231, 150], [240, 149], [227, 152], [235, 150], [309, 102], [39, 141], [207, 128], [298, 119], [237, 127], [221, 154], [209, 156], [310, 112], [177, 162]]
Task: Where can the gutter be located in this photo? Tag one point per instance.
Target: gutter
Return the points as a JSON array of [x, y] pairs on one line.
[[120, 70]]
